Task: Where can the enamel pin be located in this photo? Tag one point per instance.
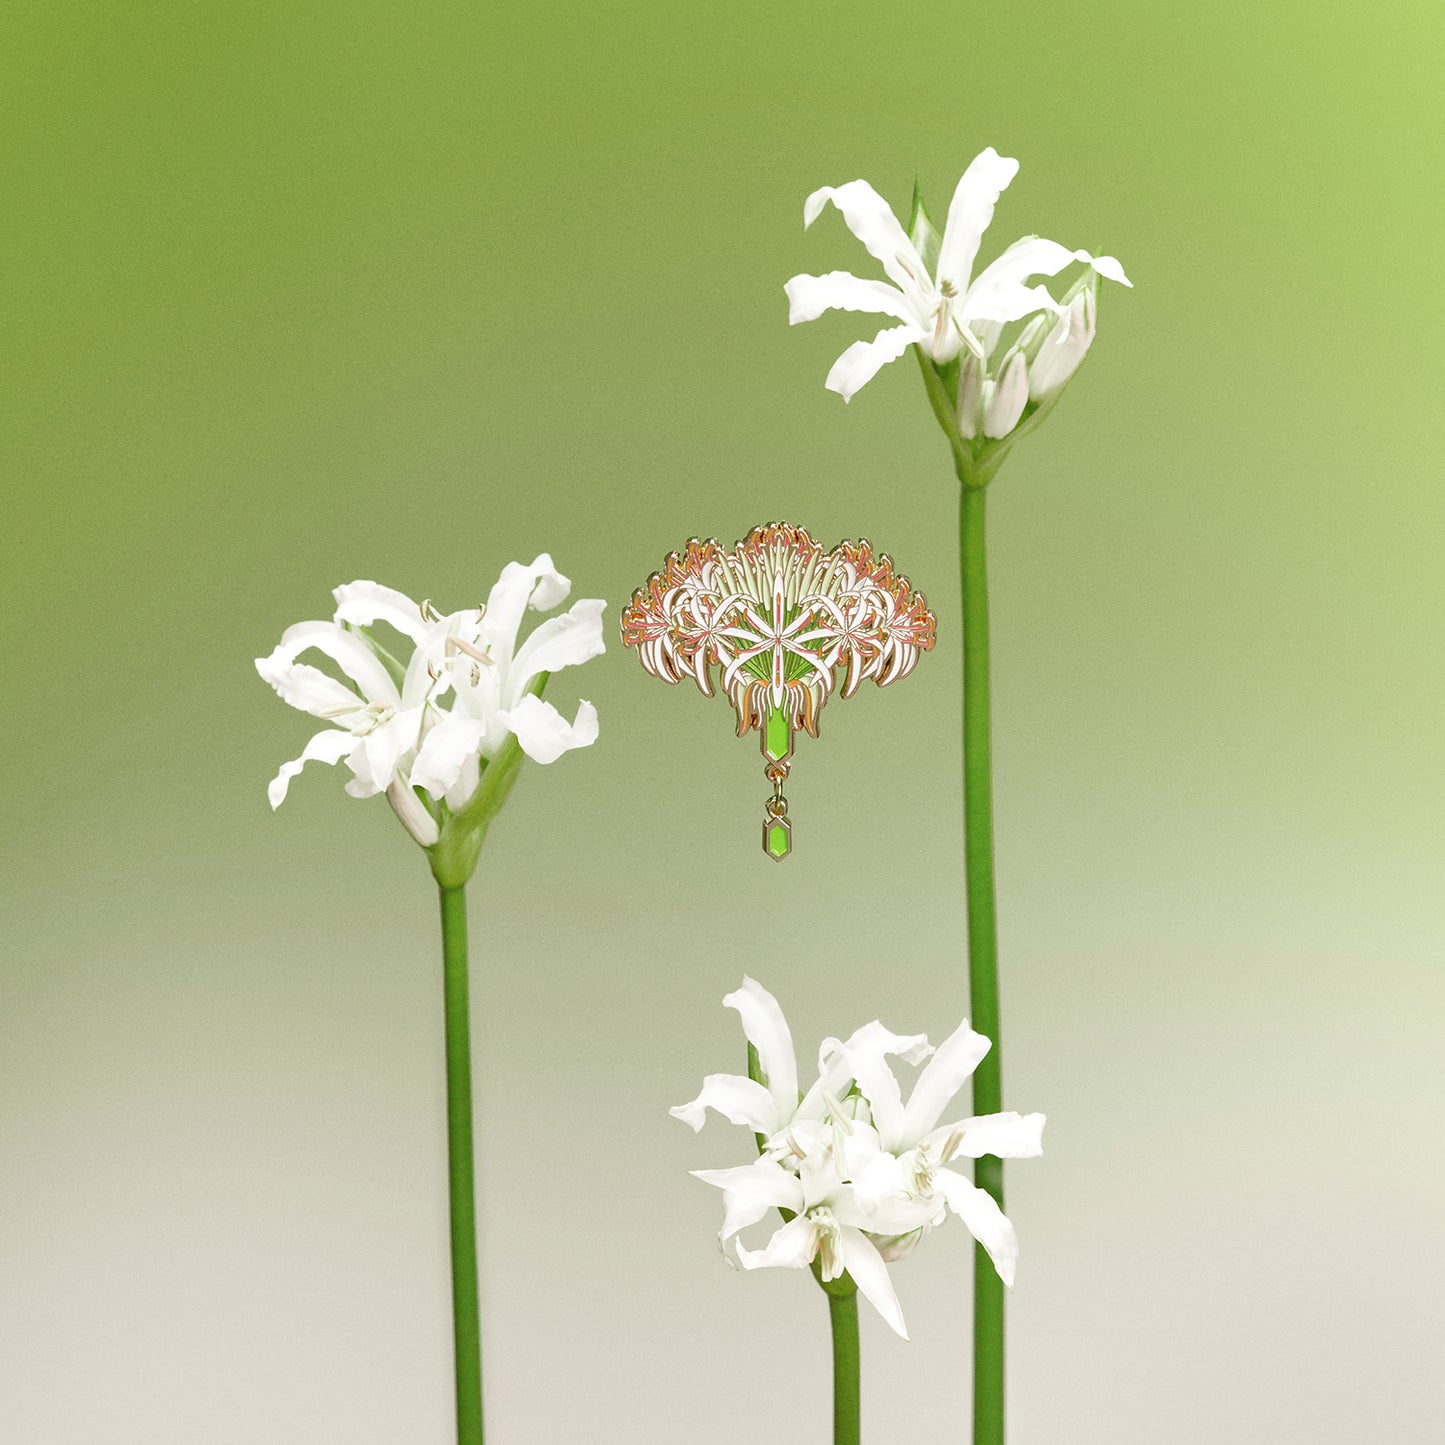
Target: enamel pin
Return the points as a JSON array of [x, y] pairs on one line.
[[785, 623]]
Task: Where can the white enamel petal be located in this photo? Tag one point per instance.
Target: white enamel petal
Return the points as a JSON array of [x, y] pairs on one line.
[[444, 750], [767, 1031], [791, 1247], [544, 733], [969, 215], [540, 586], [942, 1077], [363, 603], [325, 747], [739, 1100], [871, 219], [863, 1262], [810, 296], [864, 359], [1007, 1136], [559, 642]]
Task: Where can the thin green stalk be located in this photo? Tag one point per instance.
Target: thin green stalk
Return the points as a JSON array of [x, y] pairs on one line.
[[988, 1294], [847, 1418], [466, 1323]]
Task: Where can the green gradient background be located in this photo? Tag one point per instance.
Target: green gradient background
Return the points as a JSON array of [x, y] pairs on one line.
[[298, 294]]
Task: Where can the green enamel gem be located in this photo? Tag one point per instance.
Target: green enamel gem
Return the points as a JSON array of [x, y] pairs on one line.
[[777, 736], [777, 838]]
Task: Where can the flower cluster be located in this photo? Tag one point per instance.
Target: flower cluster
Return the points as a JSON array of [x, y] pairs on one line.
[[422, 730], [999, 376], [781, 619], [858, 1175]]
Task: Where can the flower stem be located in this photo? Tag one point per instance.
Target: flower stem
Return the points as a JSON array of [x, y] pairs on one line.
[[466, 1324], [988, 1295], [847, 1419]]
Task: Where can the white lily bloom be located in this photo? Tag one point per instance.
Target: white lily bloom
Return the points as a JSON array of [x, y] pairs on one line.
[[860, 1176], [915, 1148], [944, 309], [433, 722]]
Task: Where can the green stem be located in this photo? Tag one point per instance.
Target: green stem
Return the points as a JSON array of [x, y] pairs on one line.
[[847, 1419], [466, 1323], [988, 1295]]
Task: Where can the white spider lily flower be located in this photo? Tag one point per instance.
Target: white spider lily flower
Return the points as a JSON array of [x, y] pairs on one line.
[[944, 309], [434, 722], [769, 1107], [915, 1150], [828, 1225]]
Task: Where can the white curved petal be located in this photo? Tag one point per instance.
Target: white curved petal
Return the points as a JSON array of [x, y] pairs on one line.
[[739, 1100], [833, 1076], [942, 1077], [810, 296], [348, 652], [559, 642], [863, 1262], [540, 586], [749, 1191], [1110, 270], [325, 747], [306, 687], [1008, 301], [871, 219], [1010, 395], [444, 750], [362, 603], [767, 1031], [985, 1221], [1007, 1136], [876, 1082], [969, 215], [544, 733], [791, 1247], [864, 359]]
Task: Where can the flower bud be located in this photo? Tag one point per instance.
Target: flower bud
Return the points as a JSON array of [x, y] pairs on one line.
[[1008, 396], [970, 397], [1061, 351]]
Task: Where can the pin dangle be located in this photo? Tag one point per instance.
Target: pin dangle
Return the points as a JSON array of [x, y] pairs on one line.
[[785, 625]]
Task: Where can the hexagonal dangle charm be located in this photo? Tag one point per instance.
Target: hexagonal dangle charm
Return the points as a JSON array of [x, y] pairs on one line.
[[785, 624]]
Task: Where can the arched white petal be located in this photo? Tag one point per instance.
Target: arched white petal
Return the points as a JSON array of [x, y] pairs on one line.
[[348, 652], [985, 1220], [1007, 1136], [871, 219], [559, 642], [749, 1191], [969, 215], [877, 1083], [325, 747], [544, 733], [791, 1247], [737, 1099], [942, 1077], [833, 1076], [306, 687], [363, 603], [864, 359], [1008, 301], [810, 296], [863, 1262], [540, 586], [444, 750], [767, 1031]]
